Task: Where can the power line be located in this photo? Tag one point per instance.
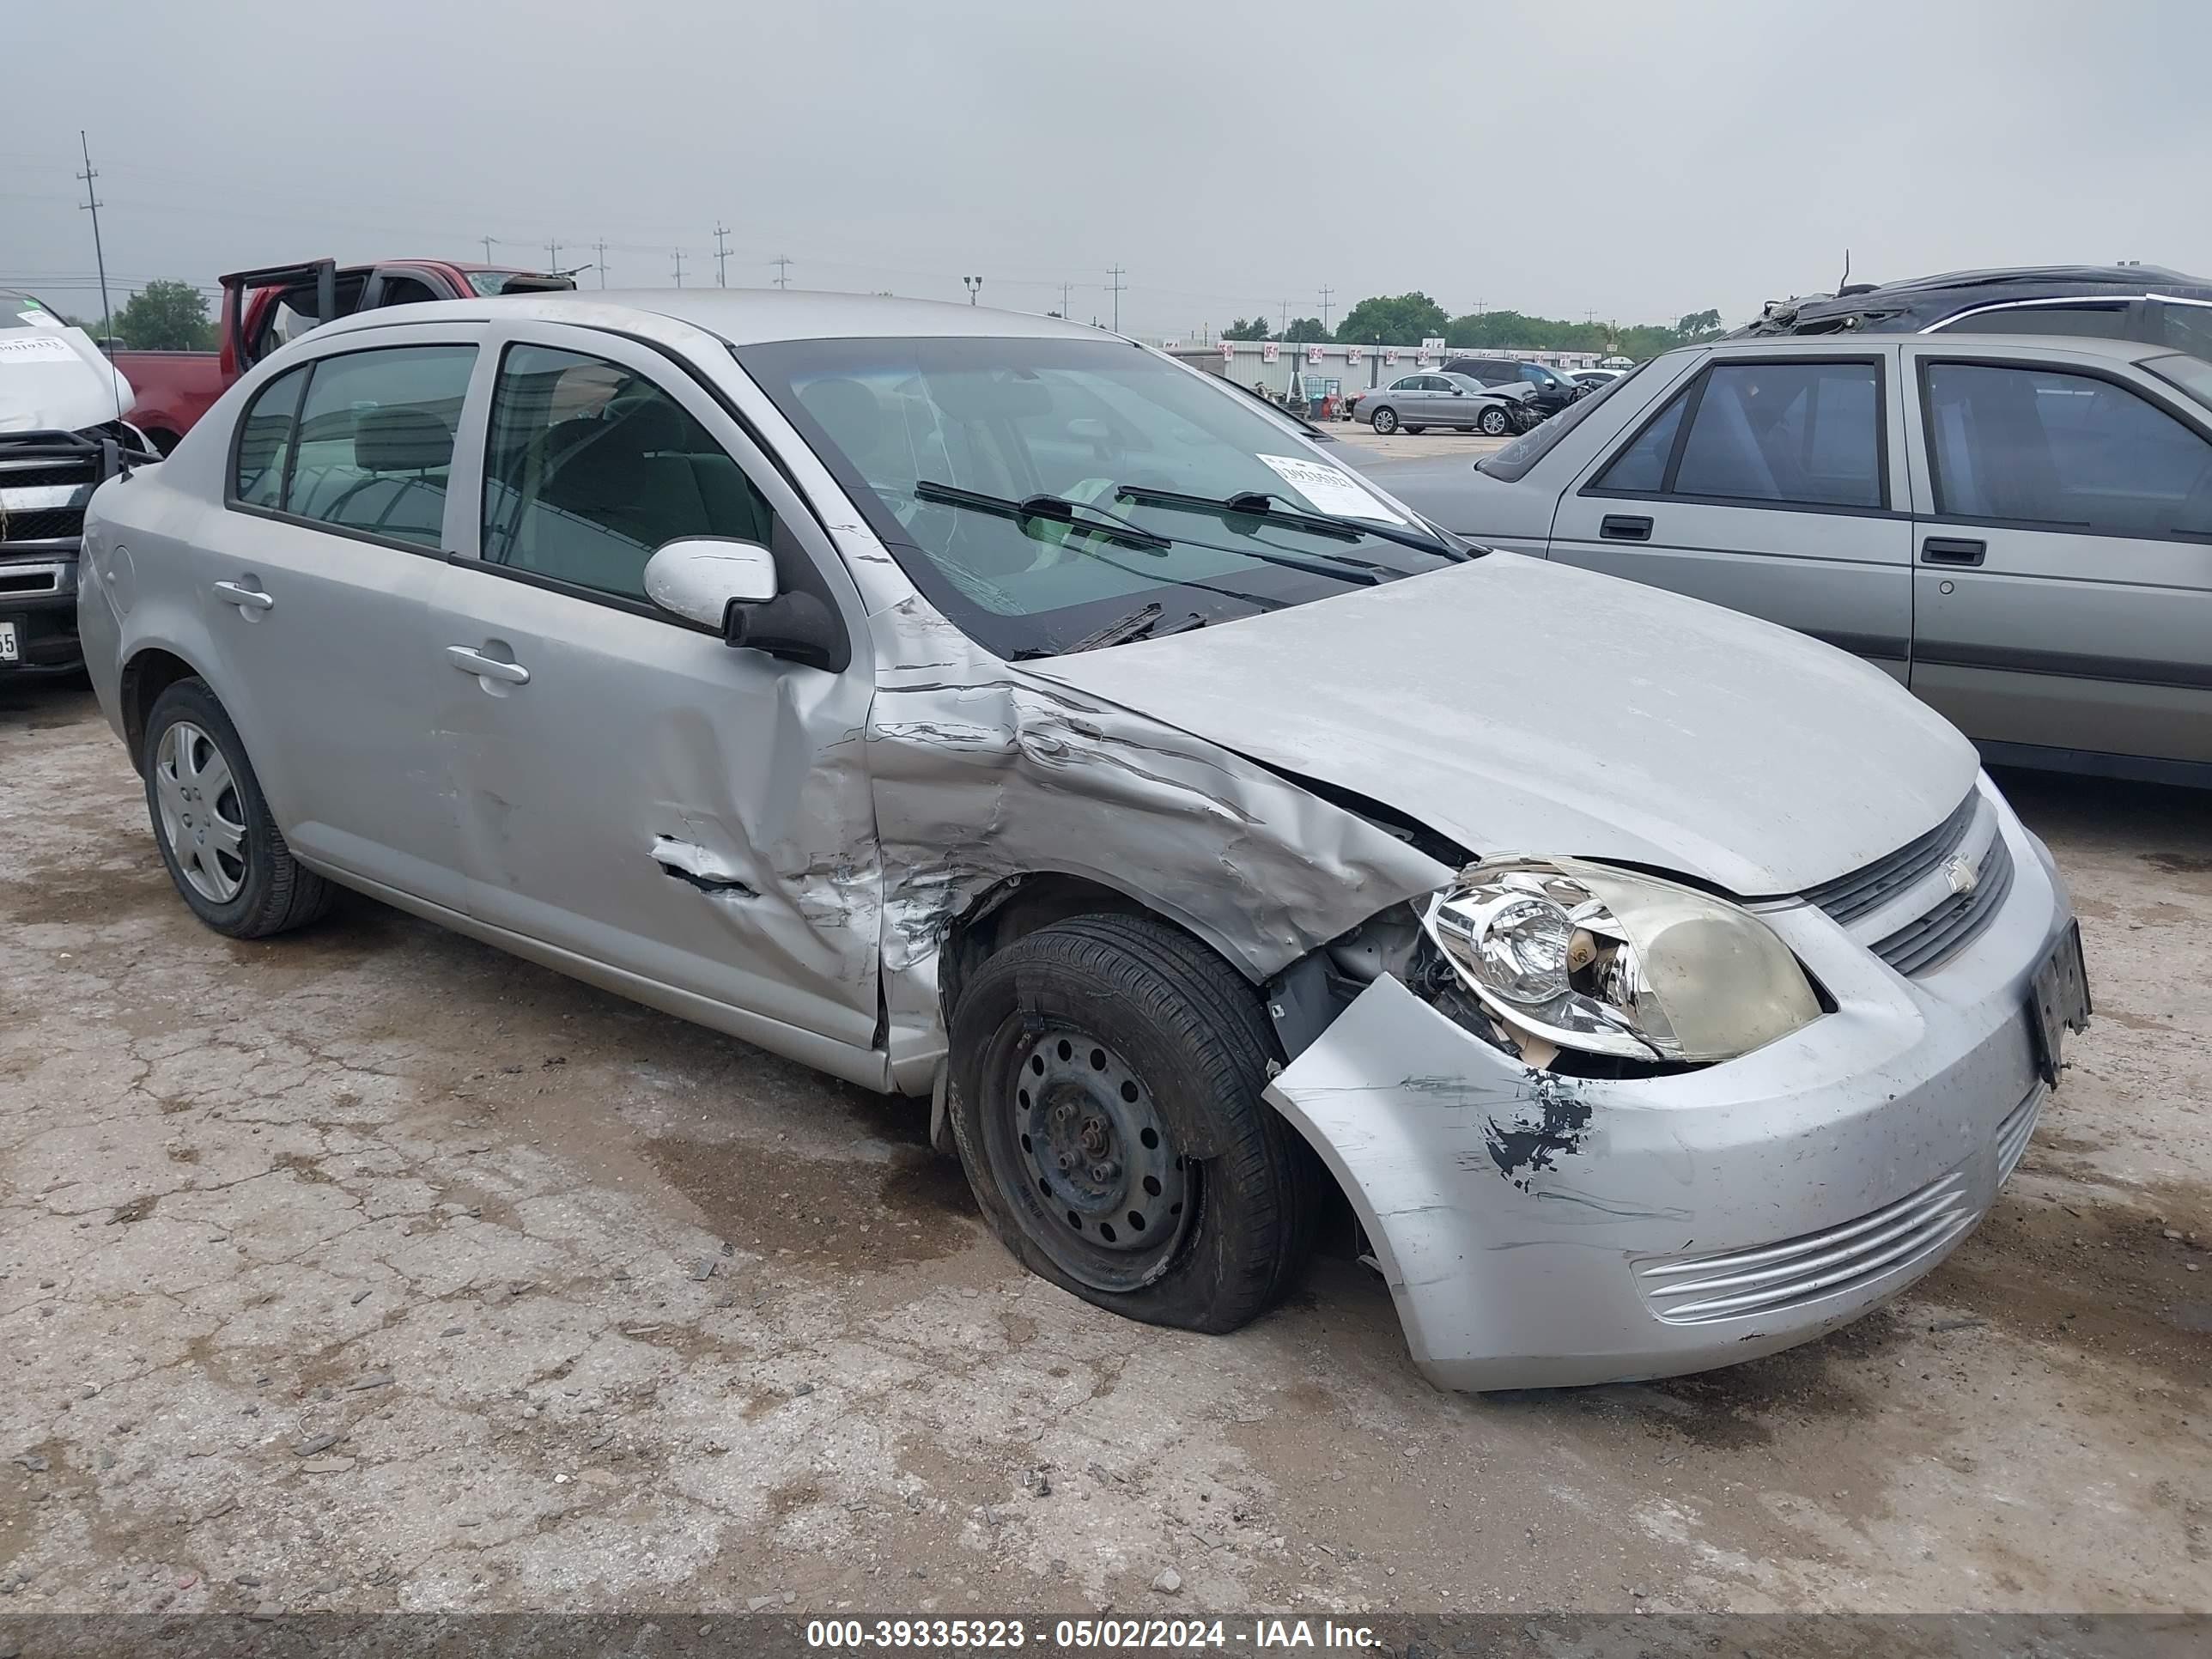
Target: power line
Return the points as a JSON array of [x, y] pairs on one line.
[[721, 255], [1114, 288]]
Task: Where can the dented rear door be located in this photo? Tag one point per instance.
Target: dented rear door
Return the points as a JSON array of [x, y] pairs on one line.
[[631, 790]]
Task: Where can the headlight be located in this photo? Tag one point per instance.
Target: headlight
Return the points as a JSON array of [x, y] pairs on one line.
[[1598, 959]]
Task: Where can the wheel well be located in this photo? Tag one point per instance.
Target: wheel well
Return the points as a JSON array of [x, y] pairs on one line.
[[145, 677], [1015, 908]]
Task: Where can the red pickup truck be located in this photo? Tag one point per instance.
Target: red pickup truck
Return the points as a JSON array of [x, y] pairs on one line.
[[263, 309]]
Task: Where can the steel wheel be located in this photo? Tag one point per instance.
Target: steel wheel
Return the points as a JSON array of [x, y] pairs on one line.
[[1079, 1129], [203, 819]]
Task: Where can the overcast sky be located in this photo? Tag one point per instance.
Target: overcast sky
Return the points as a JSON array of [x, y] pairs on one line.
[[1634, 160]]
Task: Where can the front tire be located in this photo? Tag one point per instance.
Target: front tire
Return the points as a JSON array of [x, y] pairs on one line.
[[223, 848], [1386, 421], [1494, 423], [1107, 1113]]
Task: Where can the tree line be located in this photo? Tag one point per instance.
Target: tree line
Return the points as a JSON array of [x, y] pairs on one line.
[[162, 316], [1409, 318]]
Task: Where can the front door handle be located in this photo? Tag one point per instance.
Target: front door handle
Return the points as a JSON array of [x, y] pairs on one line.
[[483, 667], [1952, 549], [244, 598], [1625, 527]]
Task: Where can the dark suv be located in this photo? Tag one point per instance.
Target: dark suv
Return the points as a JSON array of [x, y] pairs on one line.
[[1553, 391], [2148, 303]]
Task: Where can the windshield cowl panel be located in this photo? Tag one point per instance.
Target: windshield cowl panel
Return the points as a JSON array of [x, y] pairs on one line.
[[997, 473]]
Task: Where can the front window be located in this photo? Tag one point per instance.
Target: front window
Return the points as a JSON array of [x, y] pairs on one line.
[[940, 440]]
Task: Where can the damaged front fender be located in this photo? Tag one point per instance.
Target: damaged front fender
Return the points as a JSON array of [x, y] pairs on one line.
[[981, 773]]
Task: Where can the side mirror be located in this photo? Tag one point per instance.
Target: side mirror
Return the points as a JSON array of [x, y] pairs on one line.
[[730, 586], [699, 578]]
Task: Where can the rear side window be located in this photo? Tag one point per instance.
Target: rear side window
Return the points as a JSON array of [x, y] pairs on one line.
[[2064, 452], [264, 453], [592, 467], [2104, 322], [1790, 434], [375, 441]]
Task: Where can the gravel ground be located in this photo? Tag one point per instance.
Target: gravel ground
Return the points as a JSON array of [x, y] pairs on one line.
[[369, 1268]]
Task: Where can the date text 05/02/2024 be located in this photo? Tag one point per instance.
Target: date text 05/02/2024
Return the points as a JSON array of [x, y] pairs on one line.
[[1115, 1635]]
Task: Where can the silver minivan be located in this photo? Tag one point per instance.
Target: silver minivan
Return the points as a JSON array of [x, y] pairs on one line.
[[2020, 529]]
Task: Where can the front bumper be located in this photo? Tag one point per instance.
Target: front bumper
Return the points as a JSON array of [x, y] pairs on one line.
[[1538, 1230], [38, 595]]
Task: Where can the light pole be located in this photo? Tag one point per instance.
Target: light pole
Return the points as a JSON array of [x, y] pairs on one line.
[[973, 285]]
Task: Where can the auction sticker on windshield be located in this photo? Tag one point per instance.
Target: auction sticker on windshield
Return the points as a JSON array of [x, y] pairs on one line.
[[1328, 490]]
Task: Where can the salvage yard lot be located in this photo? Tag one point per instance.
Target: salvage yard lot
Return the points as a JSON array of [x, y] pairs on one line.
[[371, 1268]]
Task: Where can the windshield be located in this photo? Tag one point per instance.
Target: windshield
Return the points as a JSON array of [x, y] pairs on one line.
[[1530, 448], [2191, 375], [950, 446]]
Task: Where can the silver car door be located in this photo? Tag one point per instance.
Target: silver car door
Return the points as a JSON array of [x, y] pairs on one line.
[[1766, 484], [2063, 583], [315, 584], [687, 820]]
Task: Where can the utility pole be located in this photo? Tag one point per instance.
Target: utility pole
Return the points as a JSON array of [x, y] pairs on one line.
[[721, 255], [679, 267], [1326, 291], [783, 263], [600, 248], [1064, 287], [488, 241], [1114, 288], [553, 256], [1284, 331], [98, 255], [973, 285]]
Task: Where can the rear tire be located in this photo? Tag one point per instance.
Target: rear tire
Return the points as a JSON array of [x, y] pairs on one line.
[[1386, 421], [223, 848], [1107, 1108], [1417, 430]]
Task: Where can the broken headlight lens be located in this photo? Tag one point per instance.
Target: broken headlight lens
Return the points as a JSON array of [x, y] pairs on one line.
[[1590, 957]]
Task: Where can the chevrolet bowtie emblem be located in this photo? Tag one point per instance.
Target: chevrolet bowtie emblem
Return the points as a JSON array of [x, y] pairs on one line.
[[1961, 872]]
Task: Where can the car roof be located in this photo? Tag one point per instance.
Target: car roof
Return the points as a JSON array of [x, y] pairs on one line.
[[1831, 346], [746, 316]]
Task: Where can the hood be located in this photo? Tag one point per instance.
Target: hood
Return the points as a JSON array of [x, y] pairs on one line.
[[54, 378], [1518, 706]]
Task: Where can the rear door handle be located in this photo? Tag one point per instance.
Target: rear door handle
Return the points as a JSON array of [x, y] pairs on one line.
[[489, 668], [1952, 549], [1625, 527], [244, 598]]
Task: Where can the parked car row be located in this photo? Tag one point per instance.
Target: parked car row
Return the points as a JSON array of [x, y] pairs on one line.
[[980, 707]]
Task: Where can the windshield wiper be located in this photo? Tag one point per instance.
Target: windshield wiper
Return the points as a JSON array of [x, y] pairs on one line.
[[1141, 624], [1058, 508], [1265, 504]]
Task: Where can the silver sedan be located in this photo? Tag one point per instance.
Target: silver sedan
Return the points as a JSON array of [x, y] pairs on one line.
[[986, 709], [1432, 398]]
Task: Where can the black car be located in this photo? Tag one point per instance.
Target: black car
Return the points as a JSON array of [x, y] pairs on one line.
[[2122, 302], [1553, 391]]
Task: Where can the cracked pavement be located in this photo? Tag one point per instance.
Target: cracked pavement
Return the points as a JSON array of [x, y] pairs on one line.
[[368, 1268]]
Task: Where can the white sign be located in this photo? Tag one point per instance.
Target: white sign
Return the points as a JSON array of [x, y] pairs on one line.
[[1329, 490], [1434, 344], [1270, 351], [1313, 353], [1229, 351], [1389, 353], [1356, 354]]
